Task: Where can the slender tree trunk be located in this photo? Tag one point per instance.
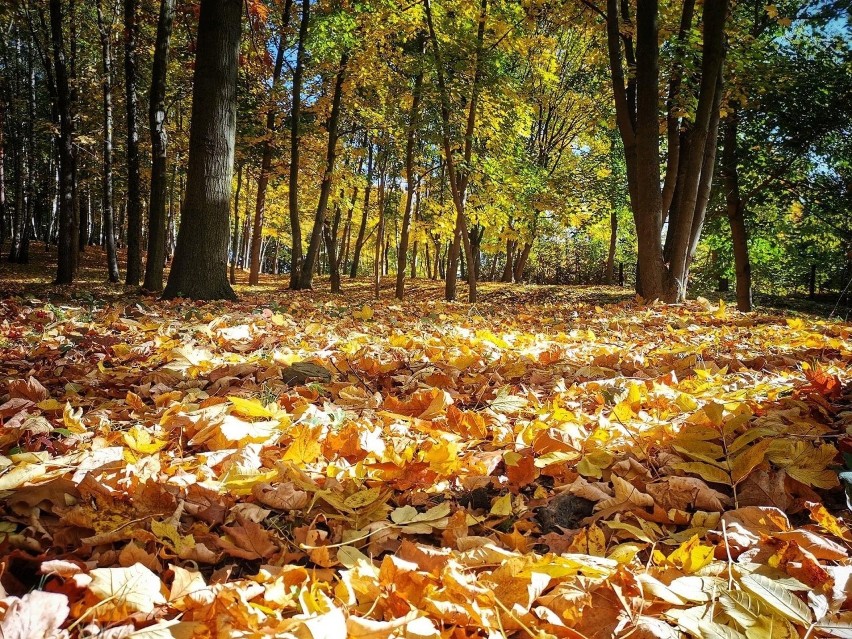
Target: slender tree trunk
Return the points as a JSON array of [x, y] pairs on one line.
[[413, 122], [735, 207], [458, 183], [24, 253], [380, 234], [268, 149], [3, 107], [200, 267], [362, 228], [509, 267], [134, 188], [609, 270], [66, 239], [295, 114], [236, 233], [156, 257], [343, 254], [306, 279]]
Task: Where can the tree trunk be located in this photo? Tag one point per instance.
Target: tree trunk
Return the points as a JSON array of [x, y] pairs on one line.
[[295, 225], [458, 182], [306, 279], [521, 261], [236, 234], [3, 107], [343, 253], [362, 228], [200, 267], [413, 121], [268, 149], [609, 270], [735, 207], [509, 267], [380, 234], [156, 257], [134, 188], [639, 126], [67, 240]]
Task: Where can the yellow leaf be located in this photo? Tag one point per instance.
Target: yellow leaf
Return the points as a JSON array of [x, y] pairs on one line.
[[250, 407], [366, 313], [502, 506], [140, 440], [778, 598], [746, 462], [50, 404], [714, 412], [306, 446], [707, 472], [691, 556]]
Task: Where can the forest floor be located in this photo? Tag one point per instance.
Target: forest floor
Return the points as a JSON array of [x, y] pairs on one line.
[[550, 462]]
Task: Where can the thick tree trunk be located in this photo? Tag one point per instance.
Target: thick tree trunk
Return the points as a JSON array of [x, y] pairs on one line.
[[134, 184], [735, 207], [413, 121], [295, 114], [200, 267], [362, 227], [306, 279], [156, 257], [638, 124], [67, 240]]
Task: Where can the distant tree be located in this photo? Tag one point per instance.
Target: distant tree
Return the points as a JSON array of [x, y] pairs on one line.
[[108, 214]]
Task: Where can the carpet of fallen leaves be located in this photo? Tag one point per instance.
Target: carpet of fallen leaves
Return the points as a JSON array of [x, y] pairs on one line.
[[302, 465]]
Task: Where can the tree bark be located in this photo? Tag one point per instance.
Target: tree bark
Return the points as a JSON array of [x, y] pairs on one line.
[[362, 228], [236, 233], [200, 266], [639, 127], [735, 208], [609, 269], [306, 279], [268, 149], [134, 188], [295, 114], [156, 257], [413, 121], [380, 232], [458, 182], [67, 240], [521, 261]]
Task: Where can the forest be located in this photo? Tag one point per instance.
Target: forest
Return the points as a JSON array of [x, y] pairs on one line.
[[386, 140], [425, 319]]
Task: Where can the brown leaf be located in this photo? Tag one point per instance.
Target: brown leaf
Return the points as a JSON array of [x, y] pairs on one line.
[[247, 540]]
